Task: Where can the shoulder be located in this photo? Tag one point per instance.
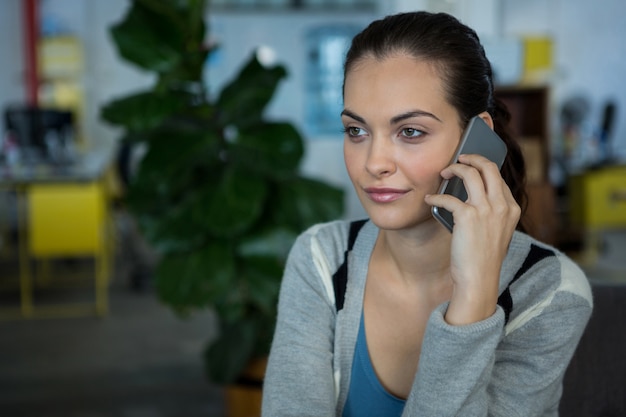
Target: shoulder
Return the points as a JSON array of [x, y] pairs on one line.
[[315, 257], [321, 246], [332, 238], [545, 261], [538, 276]]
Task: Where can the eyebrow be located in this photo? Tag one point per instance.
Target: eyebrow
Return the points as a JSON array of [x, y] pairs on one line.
[[395, 119], [352, 116], [410, 114]]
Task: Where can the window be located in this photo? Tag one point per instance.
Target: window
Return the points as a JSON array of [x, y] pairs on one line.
[[326, 49]]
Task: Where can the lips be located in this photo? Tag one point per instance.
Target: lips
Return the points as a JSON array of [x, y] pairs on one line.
[[384, 195]]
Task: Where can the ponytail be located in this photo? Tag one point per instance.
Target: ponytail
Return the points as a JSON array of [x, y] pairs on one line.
[[514, 168]]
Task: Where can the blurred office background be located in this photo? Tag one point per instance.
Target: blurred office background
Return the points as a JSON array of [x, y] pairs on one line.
[[559, 64], [577, 54]]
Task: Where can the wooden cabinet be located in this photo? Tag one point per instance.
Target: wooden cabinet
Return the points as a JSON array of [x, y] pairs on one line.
[[529, 125]]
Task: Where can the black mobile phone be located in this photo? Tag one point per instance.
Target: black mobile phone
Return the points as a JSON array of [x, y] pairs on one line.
[[478, 138]]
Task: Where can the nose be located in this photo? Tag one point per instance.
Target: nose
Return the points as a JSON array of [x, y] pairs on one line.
[[380, 162]]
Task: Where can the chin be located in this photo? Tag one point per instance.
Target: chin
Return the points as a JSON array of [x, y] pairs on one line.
[[390, 220]]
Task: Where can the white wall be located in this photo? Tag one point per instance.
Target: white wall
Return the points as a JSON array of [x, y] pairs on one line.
[[589, 51], [481, 15], [587, 35], [12, 72]]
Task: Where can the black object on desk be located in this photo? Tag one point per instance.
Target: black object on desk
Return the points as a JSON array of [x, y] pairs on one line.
[[41, 135]]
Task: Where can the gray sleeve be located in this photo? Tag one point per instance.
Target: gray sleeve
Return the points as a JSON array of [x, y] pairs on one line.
[[455, 367], [527, 379], [299, 378], [478, 370]]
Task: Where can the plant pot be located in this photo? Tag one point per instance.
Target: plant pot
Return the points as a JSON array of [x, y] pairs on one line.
[[243, 398]]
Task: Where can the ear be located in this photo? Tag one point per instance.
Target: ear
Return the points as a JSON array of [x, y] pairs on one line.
[[487, 119]]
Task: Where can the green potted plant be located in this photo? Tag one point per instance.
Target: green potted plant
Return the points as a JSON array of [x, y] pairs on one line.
[[218, 193]]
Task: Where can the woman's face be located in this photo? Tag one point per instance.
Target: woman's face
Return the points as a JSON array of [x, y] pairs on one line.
[[400, 132]]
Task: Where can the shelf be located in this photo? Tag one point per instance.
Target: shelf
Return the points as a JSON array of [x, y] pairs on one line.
[[529, 125]]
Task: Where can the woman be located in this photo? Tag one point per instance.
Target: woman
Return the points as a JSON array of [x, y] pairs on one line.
[[481, 321]]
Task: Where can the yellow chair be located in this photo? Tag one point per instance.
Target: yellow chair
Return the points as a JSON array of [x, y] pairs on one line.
[[65, 220], [598, 203]]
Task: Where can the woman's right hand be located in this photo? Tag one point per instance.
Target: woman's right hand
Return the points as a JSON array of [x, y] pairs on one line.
[[483, 228]]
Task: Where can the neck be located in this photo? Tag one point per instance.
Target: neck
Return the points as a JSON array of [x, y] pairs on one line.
[[418, 256]]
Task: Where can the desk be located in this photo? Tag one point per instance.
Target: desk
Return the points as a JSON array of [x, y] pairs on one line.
[[62, 212]]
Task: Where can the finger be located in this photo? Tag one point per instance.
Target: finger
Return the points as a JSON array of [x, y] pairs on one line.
[[472, 180], [446, 201], [489, 171], [497, 190]]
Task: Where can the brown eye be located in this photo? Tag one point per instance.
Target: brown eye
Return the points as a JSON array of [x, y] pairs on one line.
[[354, 131], [410, 132]]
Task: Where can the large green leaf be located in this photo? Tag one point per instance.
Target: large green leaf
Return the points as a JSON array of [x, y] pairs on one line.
[[174, 169], [197, 279], [142, 111], [234, 306], [244, 99], [272, 241], [235, 204], [228, 355], [262, 275], [188, 15], [149, 38], [175, 149], [174, 227], [303, 202], [274, 149]]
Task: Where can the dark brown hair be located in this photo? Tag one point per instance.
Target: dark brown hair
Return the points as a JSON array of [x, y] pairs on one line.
[[457, 53]]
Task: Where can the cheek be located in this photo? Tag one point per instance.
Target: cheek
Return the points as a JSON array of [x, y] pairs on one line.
[[351, 158], [425, 168]]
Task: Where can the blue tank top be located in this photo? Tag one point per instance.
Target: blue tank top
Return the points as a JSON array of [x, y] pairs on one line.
[[367, 396]]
